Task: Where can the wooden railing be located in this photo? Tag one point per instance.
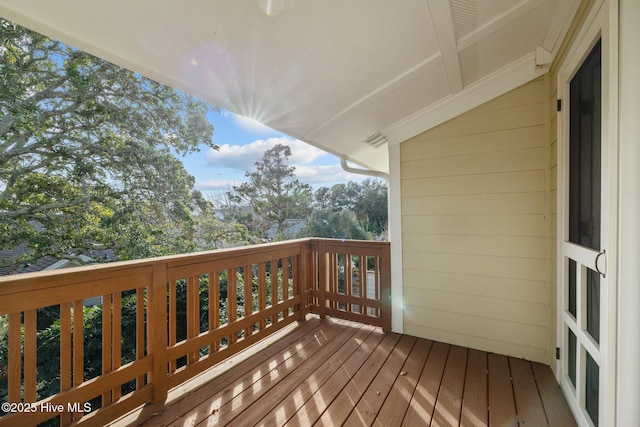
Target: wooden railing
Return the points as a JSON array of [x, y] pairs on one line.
[[123, 334]]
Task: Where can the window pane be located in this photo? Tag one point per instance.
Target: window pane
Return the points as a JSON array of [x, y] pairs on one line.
[[584, 153], [572, 287], [572, 358], [592, 389], [593, 304]]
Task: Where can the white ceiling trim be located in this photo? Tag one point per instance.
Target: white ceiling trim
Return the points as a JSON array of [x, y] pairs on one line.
[[560, 25], [498, 22], [498, 83], [443, 26], [421, 68]]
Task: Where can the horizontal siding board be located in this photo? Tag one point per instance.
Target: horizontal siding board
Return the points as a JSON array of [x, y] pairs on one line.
[[486, 307], [502, 161], [490, 121], [507, 182], [531, 93], [534, 291], [501, 225], [508, 246], [516, 268], [517, 334], [480, 343], [421, 147], [478, 204]]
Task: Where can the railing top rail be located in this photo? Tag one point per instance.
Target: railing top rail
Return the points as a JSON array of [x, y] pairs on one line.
[[89, 272]]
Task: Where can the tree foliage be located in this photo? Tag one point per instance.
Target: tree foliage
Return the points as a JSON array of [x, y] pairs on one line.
[[87, 152], [342, 224], [274, 192], [367, 200]]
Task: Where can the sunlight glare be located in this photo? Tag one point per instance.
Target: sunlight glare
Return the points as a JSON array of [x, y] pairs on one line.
[[251, 124], [274, 7]]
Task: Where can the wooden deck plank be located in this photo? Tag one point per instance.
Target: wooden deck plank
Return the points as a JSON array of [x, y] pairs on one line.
[[449, 403], [231, 372], [226, 406], [366, 410], [423, 403], [525, 391], [397, 402], [224, 389], [475, 412], [339, 410], [318, 402], [301, 384], [502, 408], [336, 372], [555, 405]]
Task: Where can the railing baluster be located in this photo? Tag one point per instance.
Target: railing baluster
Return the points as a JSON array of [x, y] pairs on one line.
[[377, 281], [106, 342], [15, 357], [295, 277], [325, 274], [285, 280], [214, 307], [30, 356], [78, 347], [139, 332], [173, 321], [262, 292], [232, 301], [348, 279], [157, 330], [116, 354], [65, 354], [247, 277], [193, 314], [273, 266], [362, 280]]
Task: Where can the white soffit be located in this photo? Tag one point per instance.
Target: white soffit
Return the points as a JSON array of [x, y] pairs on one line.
[[332, 73]]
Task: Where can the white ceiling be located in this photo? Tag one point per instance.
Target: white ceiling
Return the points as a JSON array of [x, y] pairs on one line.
[[329, 72]]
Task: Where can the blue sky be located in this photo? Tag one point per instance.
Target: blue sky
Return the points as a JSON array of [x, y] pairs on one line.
[[242, 141]]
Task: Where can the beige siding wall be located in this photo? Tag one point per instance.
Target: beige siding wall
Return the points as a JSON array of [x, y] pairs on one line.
[[476, 204]]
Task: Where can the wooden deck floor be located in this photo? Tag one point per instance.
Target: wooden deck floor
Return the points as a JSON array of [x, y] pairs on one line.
[[333, 372]]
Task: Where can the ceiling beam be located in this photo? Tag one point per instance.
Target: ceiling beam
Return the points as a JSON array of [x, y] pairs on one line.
[[440, 13]]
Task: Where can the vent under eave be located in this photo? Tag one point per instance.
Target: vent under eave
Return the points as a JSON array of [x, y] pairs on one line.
[[376, 140]]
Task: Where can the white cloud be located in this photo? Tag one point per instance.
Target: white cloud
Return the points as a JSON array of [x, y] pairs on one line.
[[324, 174], [244, 157], [303, 156]]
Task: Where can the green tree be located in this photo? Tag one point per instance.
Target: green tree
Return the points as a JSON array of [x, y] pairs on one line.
[[273, 192], [339, 225], [88, 149], [367, 200]]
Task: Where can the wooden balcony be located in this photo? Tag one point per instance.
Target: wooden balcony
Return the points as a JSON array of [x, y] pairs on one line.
[[334, 372], [312, 348], [177, 334]]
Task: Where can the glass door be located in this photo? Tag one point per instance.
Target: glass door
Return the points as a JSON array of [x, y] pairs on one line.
[[583, 257]]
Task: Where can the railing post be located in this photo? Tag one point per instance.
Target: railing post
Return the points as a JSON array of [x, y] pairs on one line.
[[157, 330], [309, 275], [323, 285], [385, 288]]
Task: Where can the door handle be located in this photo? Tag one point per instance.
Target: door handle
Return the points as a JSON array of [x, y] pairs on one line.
[[602, 272]]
